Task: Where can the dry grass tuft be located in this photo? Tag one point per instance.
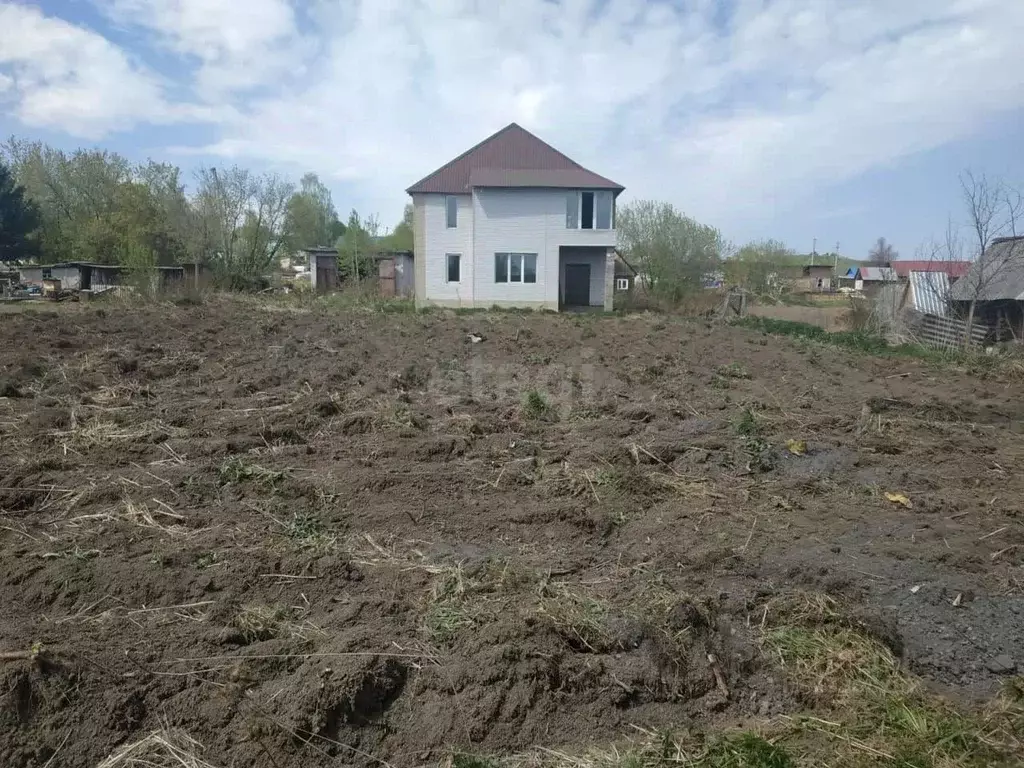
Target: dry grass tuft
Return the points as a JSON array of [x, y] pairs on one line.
[[160, 517], [97, 431], [581, 619], [268, 622], [388, 414], [167, 748]]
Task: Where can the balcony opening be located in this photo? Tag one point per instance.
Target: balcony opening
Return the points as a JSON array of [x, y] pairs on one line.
[[587, 210]]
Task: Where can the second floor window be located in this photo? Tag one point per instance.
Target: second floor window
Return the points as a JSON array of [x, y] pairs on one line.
[[588, 209], [451, 211]]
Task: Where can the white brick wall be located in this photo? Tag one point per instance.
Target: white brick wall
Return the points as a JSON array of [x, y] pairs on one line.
[[514, 221], [440, 241], [507, 221]]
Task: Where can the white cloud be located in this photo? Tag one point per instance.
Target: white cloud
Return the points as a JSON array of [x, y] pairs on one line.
[[665, 98], [726, 114], [70, 78], [238, 45]]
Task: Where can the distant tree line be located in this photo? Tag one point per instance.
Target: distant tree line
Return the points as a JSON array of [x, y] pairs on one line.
[[97, 206]]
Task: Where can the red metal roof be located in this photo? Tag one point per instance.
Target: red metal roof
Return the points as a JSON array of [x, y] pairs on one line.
[[955, 269], [513, 157]]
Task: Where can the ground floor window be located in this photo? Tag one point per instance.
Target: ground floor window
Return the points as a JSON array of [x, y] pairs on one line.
[[515, 267], [622, 283], [454, 271]]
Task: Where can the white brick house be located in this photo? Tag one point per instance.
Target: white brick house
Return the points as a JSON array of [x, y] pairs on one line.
[[513, 222]]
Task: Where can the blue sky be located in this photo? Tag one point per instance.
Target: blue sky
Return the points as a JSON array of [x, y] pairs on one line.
[[789, 119]]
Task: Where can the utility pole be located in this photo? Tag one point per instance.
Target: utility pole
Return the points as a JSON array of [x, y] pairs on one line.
[[835, 261], [814, 250]]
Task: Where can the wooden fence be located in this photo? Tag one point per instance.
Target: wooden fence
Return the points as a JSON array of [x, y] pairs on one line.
[[948, 332]]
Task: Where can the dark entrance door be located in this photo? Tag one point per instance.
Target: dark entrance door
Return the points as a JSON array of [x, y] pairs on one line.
[[577, 285]]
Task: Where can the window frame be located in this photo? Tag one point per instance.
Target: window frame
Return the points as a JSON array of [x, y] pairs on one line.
[[572, 209], [527, 257], [451, 211], [515, 267], [593, 209], [574, 219], [448, 267], [605, 195], [505, 258], [622, 283]]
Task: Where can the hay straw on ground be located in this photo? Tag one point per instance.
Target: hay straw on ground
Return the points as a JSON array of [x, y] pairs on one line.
[[167, 748]]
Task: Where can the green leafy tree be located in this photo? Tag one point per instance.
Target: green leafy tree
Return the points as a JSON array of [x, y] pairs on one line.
[[674, 252], [311, 217], [401, 237], [358, 247], [762, 267], [19, 220], [97, 206]]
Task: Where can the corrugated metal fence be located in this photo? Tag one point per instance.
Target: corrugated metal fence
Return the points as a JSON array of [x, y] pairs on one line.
[[929, 292], [948, 332]]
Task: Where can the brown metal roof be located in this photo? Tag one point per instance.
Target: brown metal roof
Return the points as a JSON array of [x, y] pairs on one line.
[[513, 157]]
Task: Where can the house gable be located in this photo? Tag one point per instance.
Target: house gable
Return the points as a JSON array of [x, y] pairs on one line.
[[512, 157]]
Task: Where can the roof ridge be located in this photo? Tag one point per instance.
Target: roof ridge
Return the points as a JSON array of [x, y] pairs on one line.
[[511, 149], [471, 150]]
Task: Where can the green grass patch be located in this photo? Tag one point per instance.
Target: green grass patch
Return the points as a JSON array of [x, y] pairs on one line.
[[461, 599], [749, 428], [868, 343], [536, 406], [874, 707], [746, 750], [308, 531], [747, 424]]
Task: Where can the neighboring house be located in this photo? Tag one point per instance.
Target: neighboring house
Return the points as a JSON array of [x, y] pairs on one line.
[[513, 222], [850, 280], [625, 275], [873, 279], [995, 284], [814, 278], [84, 276], [954, 270]]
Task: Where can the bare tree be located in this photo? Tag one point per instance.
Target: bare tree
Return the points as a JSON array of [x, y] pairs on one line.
[[882, 252], [993, 210], [241, 220]]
